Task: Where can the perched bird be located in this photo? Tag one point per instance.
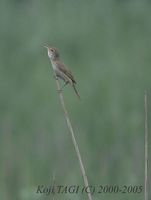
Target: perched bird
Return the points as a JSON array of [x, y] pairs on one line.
[[60, 69]]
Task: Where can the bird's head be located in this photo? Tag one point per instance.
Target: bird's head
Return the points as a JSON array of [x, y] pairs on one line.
[[52, 52]]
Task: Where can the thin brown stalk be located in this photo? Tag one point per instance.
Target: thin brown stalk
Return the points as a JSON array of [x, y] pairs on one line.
[[75, 144], [53, 185], [146, 149]]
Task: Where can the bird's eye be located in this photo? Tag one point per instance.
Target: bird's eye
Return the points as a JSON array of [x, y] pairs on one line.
[[52, 50]]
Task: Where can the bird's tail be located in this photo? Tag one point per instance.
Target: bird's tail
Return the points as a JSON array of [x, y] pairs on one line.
[[75, 89]]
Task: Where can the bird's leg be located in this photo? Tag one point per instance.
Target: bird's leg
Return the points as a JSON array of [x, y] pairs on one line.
[[66, 82], [63, 86], [55, 76]]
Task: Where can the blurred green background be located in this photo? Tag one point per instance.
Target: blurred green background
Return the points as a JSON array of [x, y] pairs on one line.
[[107, 46]]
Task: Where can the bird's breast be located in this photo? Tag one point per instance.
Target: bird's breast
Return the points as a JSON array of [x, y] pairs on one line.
[[54, 65]]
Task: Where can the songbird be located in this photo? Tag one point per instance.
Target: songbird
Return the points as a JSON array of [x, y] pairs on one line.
[[60, 69]]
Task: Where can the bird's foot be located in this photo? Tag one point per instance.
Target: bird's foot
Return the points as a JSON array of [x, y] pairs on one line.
[[59, 91]]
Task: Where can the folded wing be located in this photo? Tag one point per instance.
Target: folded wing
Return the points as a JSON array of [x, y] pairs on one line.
[[63, 69]]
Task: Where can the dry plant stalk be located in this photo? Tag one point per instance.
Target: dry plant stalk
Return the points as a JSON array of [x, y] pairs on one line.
[[69, 125], [53, 183], [146, 149]]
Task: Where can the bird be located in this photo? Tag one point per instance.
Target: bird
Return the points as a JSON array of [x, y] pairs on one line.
[[61, 71]]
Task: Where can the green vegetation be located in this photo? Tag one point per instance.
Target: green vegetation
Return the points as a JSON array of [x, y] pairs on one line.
[[107, 46]]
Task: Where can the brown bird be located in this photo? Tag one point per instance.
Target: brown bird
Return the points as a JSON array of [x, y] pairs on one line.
[[60, 69]]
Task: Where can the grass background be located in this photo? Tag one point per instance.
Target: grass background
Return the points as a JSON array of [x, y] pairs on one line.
[[107, 45]]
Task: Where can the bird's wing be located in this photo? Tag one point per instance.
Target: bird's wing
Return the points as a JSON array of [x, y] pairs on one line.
[[62, 68]]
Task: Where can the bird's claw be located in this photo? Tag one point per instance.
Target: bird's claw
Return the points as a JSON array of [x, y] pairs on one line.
[[59, 91]]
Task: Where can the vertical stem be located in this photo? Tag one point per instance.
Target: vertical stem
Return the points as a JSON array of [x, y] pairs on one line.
[[53, 185], [69, 125], [146, 149]]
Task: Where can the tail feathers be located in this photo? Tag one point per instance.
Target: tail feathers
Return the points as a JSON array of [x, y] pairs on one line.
[[76, 91]]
